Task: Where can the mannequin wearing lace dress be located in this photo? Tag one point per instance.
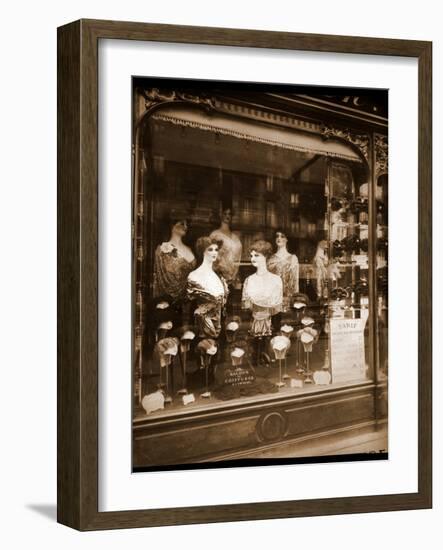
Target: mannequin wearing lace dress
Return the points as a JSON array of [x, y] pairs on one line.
[[262, 291], [230, 250], [208, 290], [286, 265]]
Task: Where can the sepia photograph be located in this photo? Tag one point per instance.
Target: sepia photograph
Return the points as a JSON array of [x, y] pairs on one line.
[[259, 274]]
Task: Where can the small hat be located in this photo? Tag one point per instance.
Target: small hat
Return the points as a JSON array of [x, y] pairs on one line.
[[307, 321], [165, 325], [233, 323], [186, 332], [286, 329], [337, 248], [300, 300], [161, 310], [208, 346], [339, 293], [166, 349]]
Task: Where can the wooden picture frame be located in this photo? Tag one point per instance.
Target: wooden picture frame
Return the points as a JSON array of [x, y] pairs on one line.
[[78, 274]]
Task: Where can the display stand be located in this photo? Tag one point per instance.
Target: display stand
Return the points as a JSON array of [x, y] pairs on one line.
[[207, 348], [308, 373], [207, 361], [307, 336], [167, 348], [185, 346], [299, 306], [168, 397], [231, 329], [280, 345], [286, 330]]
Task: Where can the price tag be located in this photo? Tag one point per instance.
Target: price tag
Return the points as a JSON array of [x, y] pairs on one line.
[[295, 383], [361, 260], [189, 398]]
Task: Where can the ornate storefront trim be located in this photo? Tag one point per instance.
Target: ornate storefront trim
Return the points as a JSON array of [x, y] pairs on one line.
[[381, 155], [248, 137], [154, 97], [361, 141]]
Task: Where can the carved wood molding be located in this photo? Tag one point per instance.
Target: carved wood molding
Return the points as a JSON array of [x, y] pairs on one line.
[[381, 155], [361, 141], [153, 97]]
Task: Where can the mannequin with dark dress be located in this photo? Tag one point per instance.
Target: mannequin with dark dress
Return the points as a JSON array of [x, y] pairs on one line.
[[263, 295], [207, 289], [208, 292], [174, 260]]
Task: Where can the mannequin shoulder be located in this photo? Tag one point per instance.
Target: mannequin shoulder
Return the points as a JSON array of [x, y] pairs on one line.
[[217, 234], [195, 276], [165, 247], [186, 253], [275, 279]]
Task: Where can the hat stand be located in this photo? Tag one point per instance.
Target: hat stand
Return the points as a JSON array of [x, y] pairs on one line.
[[299, 313], [230, 336], [280, 382], [184, 348], [259, 350], [168, 398], [206, 361], [308, 373], [285, 374]]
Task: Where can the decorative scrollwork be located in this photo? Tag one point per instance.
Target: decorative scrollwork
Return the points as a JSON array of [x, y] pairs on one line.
[[381, 154], [154, 96], [361, 141]]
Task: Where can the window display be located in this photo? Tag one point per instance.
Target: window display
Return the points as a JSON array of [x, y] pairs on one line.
[[232, 270], [257, 251]]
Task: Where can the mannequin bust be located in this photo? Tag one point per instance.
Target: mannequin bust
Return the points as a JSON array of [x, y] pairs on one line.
[[230, 247], [207, 289], [262, 291], [320, 263], [286, 265], [173, 262]]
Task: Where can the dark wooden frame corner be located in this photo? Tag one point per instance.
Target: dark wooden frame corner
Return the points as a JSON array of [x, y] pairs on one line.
[[78, 284]]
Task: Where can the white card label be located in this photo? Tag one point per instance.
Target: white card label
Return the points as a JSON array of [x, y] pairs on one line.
[[189, 398], [295, 383]]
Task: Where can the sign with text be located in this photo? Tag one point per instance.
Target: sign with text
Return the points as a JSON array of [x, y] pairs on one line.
[[238, 376], [347, 349]]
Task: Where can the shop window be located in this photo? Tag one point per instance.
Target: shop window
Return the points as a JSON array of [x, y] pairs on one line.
[[255, 273]]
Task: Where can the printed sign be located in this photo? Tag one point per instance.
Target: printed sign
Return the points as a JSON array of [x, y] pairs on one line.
[[347, 349], [238, 376], [361, 260]]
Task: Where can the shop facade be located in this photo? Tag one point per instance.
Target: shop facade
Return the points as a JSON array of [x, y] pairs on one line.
[[260, 270]]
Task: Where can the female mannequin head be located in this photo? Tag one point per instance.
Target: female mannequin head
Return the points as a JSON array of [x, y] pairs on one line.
[[260, 252], [226, 216], [322, 246], [223, 217], [206, 250], [179, 227]]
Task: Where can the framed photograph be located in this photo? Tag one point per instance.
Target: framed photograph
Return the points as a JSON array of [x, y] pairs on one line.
[[244, 275]]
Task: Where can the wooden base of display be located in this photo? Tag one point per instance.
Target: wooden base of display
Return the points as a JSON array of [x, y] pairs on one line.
[[201, 434]]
